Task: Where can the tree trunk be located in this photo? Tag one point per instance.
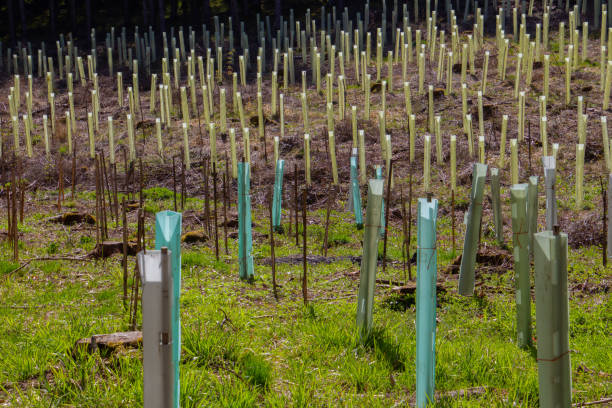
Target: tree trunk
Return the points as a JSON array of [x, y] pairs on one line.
[[11, 21], [161, 12], [23, 19], [52, 17]]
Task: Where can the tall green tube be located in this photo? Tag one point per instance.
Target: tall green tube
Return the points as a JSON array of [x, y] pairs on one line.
[[532, 210], [349, 204], [552, 319], [472, 233], [245, 236], [496, 201], [168, 234], [278, 195], [427, 267], [379, 176], [551, 199], [355, 194], [520, 242], [369, 259]]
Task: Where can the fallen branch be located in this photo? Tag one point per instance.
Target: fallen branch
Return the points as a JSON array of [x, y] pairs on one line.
[[586, 404]]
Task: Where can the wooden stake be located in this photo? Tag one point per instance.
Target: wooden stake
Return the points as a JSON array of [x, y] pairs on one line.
[[225, 202], [384, 265], [15, 223], [102, 173], [214, 176], [265, 149], [141, 184], [295, 203], [98, 210], [529, 144], [404, 231], [206, 200], [174, 182], [115, 195], [22, 188], [126, 172], [453, 221], [124, 260], [305, 245], [60, 184], [183, 187], [105, 182], [409, 225], [604, 232], [73, 173], [272, 256], [9, 211], [330, 198]]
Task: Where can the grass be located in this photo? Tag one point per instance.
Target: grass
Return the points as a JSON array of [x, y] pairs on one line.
[[241, 348]]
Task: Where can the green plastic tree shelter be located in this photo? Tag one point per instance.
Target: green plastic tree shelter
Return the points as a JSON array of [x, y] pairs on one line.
[[470, 243], [609, 232], [532, 210], [496, 203], [168, 234], [245, 236], [278, 195], [427, 275], [355, 194], [552, 319], [369, 259], [520, 241], [349, 203], [551, 199], [379, 176]]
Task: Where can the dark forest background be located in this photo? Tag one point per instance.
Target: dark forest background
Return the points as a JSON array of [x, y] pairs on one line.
[[44, 19]]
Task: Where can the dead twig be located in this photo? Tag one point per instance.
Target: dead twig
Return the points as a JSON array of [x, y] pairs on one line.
[[586, 404], [226, 319]]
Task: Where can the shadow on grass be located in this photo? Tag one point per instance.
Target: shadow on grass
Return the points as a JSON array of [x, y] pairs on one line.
[[385, 348]]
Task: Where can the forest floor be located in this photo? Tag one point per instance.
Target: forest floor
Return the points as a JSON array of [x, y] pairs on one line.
[[242, 347]]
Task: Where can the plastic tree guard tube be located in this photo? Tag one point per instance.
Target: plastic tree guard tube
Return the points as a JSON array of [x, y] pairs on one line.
[[470, 243], [245, 237], [168, 234], [496, 201], [426, 301], [369, 260], [355, 194], [520, 240], [552, 319], [278, 195]]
